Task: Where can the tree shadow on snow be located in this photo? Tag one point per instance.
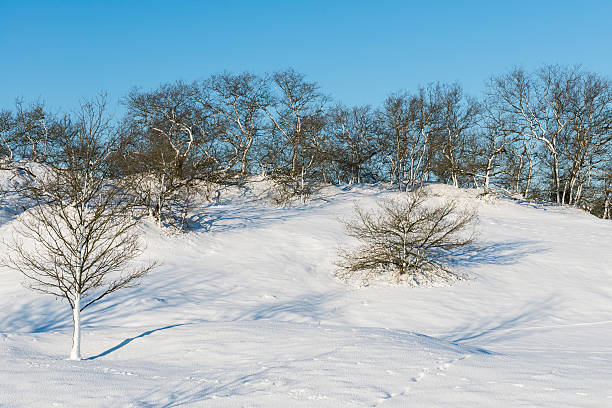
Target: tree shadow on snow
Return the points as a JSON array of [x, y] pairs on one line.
[[313, 307], [256, 213], [223, 219], [188, 395], [496, 329], [130, 339], [45, 314], [36, 316], [493, 253]]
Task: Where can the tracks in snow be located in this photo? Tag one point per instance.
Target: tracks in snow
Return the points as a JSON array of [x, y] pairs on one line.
[[439, 370]]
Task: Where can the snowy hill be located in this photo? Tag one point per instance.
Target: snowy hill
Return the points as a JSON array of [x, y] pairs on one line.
[[245, 311]]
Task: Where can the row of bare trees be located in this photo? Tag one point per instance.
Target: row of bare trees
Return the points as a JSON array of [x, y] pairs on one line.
[[543, 135]]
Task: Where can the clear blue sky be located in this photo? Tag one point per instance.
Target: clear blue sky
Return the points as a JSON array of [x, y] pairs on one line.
[[358, 51]]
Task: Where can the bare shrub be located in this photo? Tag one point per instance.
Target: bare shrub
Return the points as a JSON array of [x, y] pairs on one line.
[[287, 191], [407, 239]]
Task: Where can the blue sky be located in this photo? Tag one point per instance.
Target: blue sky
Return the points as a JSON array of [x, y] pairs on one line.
[[358, 51]]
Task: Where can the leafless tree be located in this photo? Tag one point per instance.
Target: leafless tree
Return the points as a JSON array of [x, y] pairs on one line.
[[237, 101], [426, 108], [297, 116], [457, 120], [25, 134], [32, 139], [605, 211], [589, 136], [408, 239], [540, 106], [7, 154], [498, 146], [567, 114], [170, 142], [395, 123], [26, 139], [544, 134], [352, 134], [77, 241]]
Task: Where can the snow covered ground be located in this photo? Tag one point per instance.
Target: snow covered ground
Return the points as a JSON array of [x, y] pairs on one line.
[[244, 312]]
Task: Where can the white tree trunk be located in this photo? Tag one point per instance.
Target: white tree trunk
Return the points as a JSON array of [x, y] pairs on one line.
[[160, 200], [454, 179], [75, 353], [488, 173]]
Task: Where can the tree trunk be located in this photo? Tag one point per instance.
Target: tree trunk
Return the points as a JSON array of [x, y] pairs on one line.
[[454, 179], [556, 178], [75, 353], [528, 180], [488, 173], [160, 201]]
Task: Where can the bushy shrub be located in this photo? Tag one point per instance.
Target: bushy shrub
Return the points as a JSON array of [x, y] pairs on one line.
[[408, 239]]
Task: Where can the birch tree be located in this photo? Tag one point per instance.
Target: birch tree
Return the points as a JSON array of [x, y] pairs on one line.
[[588, 138], [7, 154], [237, 101], [352, 133], [458, 116], [172, 145], [540, 105], [567, 114], [395, 122], [25, 135], [77, 241], [297, 117]]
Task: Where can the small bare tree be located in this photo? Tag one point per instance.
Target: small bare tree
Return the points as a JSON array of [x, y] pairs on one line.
[[76, 240], [407, 239]]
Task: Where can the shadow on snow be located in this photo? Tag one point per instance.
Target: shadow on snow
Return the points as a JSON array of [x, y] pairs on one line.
[[130, 339]]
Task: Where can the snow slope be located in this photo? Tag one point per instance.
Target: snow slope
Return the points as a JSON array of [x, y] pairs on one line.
[[245, 312]]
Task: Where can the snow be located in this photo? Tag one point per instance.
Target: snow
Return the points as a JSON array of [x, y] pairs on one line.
[[244, 311]]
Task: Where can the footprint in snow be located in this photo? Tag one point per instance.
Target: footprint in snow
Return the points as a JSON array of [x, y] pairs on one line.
[[420, 375]]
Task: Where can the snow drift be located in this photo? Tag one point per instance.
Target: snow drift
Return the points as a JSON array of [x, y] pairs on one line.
[[245, 311]]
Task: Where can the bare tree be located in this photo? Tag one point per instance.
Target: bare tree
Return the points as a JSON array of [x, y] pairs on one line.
[[237, 101], [540, 107], [297, 117], [589, 136], [426, 108], [567, 115], [395, 123], [408, 239], [77, 241], [7, 154], [352, 133], [32, 139], [407, 124], [605, 210], [25, 135], [171, 144], [487, 148], [457, 119]]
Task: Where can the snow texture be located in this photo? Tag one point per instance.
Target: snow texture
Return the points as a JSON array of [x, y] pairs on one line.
[[245, 311]]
